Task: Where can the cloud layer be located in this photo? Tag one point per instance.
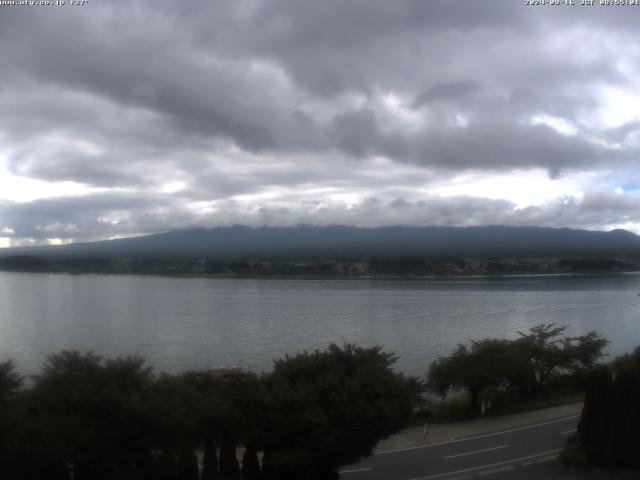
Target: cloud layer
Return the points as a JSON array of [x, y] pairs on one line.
[[122, 119]]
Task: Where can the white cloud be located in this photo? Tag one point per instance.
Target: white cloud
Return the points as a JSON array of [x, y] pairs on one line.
[[524, 188], [22, 189], [619, 106], [559, 124], [280, 111]]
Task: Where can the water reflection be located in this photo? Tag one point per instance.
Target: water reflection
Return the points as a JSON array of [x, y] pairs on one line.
[[193, 323]]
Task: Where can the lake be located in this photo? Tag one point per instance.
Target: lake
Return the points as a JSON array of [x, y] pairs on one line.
[[183, 323]]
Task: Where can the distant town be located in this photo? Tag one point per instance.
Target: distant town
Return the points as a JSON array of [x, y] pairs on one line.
[[407, 266]]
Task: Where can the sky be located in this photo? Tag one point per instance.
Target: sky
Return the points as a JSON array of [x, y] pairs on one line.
[[128, 118]]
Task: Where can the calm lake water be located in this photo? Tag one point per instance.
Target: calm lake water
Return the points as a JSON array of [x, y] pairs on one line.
[[181, 323]]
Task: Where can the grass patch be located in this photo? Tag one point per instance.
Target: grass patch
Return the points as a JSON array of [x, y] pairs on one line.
[[541, 403], [574, 455], [456, 407], [453, 408]]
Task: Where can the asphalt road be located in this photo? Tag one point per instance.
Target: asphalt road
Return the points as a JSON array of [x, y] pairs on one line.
[[490, 453]]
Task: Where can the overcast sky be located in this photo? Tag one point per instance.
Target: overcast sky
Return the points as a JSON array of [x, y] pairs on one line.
[[124, 118]]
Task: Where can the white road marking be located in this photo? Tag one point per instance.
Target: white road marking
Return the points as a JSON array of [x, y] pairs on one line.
[[466, 439], [497, 470], [570, 431], [547, 459], [368, 469], [481, 467], [477, 451]]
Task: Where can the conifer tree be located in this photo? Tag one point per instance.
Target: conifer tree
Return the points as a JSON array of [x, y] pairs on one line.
[[210, 460], [250, 464], [229, 467], [610, 419], [596, 415], [187, 465], [166, 466]]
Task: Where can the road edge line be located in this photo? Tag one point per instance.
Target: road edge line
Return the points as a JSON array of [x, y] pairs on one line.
[[475, 437], [506, 462]]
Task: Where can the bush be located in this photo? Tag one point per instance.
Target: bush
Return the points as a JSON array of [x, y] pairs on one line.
[[610, 420], [573, 455], [115, 420], [506, 371]]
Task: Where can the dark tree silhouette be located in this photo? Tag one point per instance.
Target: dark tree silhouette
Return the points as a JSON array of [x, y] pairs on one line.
[[520, 368], [486, 364], [188, 465], [250, 464], [210, 459], [229, 466], [12, 461], [166, 466], [610, 422], [329, 408], [111, 419], [10, 381], [92, 414]]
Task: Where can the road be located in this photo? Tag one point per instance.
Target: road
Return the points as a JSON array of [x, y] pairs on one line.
[[484, 454]]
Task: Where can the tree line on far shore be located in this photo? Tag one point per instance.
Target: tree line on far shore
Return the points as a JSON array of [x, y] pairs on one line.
[[313, 266]]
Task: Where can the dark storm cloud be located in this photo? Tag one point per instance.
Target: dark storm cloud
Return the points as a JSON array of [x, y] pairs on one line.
[[255, 97], [334, 46], [481, 146], [458, 211], [444, 91], [93, 170], [248, 82]]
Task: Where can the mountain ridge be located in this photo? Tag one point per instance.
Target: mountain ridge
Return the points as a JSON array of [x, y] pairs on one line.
[[341, 241]]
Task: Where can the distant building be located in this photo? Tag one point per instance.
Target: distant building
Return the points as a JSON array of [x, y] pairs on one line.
[[222, 371]]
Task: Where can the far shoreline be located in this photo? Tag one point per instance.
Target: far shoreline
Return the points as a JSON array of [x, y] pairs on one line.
[[236, 276]]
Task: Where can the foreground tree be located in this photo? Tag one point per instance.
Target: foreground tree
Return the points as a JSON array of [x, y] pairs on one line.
[[88, 418], [229, 466], [550, 355], [610, 422], [584, 352], [595, 421], [490, 364], [10, 381], [520, 368], [209, 459], [175, 430], [11, 421], [230, 406], [91, 414], [188, 465], [250, 464], [543, 347], [329, 408]]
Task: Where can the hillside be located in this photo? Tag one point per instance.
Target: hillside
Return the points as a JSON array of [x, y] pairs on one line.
[[353, 242]]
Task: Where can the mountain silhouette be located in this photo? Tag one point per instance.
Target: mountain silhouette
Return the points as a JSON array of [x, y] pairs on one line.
[[346, 241]]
